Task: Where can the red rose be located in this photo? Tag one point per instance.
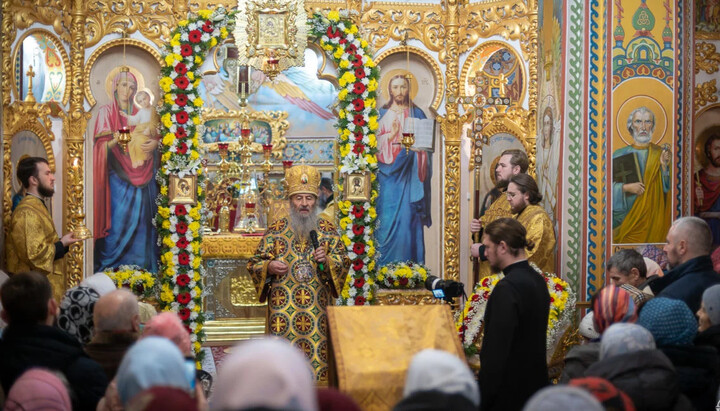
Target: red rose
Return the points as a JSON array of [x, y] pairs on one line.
[[359, 282], [181, 69], [358, 148], [184, 298], [194, 36], [358, 104], [358, 88], [183, 258], [207, 27], [182, 148], [183, 280], [184, 314], [181, 227], [182, 243], [180, 210], [358, 265], [181, 117], [180, 132], [182, 82], [181, 100], [359, 248], [358, 61], [358, 211], [359, 120], [186, 50], [358, 229], [360, 73], [360, 300], [403, 281]]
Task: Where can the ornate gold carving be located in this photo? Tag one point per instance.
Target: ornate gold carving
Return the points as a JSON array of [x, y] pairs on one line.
[[63, 56], [405, 297], [242, 291], [230, 246], [707, 58], [510, 19], [55, 13], [18, 117], [705, 93], [515, 121], [427, 58], [102, 49], [153, 19], [386, 21], [277, 120], [74, 125]]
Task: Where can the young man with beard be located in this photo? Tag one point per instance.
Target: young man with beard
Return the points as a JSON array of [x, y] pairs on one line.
[[298, 278], [516, 320], [33, 244]]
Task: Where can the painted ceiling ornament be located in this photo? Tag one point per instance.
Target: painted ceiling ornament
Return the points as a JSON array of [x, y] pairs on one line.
[[643, 20], [271, 35]]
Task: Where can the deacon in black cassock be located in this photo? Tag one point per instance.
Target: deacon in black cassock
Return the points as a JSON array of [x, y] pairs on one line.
[[512, 357]]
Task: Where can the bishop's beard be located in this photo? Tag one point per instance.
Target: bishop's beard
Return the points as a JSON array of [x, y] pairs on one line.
[[302, 225]]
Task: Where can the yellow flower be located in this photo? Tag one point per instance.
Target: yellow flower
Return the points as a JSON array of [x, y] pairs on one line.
[[196, 250], [197, 346], [372, 85], [194, 155], [371, 264], [169, 272], [327, 47], [344, 64], [334, 15], [346, 240], [194, 213], [164, 212], [345, 222], [194, 226], [198, 60], [363, 43], [166, 157], [204, 14], [372, 140], [169, 99], [338, 53], [196, 83], [164, 190], [183, 23], [372, 123], [344, 150], [370, 159], [347, 78], [345, 293], [198, 291], [168, 242], [353, 29], [370, 253], [198, 102], [196, 263], [380, 277], [166, 223], [196, 276], [342, 113], [166, 83], [345, 206], [168, 256], [370, 102], [190, 75], [168, 139], [213, 42], [196, 120], [370, 63], [223, 32], [169, 59], [167, 120], [371, 212]]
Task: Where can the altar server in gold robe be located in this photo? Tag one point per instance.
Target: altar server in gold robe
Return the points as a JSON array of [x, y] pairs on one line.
[[33, 244], [512, 162], [299, 279]]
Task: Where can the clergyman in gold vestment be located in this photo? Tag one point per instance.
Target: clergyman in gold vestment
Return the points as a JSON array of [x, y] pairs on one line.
[[33, 244], [286, 269], [511, 162]]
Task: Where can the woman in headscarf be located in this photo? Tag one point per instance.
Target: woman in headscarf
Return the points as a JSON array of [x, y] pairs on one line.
[[100, 282], [39, 390], [609, 396], [610, 305], [674, 327], [267, 373], [709, 318], [124, 195], [438, 380], [76, 313], [630, 361], [562, 397]]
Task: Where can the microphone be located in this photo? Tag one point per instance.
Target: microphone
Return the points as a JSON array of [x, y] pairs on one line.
[[316, 245]]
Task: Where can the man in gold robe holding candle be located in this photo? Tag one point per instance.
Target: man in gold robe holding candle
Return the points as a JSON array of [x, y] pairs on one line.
[[298, 278], [33, 244]]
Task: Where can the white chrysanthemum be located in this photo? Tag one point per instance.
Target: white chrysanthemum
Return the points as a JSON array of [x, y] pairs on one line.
[[352, 291], [184, 38]]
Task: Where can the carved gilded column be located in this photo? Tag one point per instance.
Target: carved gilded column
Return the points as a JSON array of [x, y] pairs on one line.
[[74, 125], [451, 125]]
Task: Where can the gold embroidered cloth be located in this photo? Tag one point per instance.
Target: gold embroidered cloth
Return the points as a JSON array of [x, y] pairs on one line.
[[373, 347], [500, 208], [541, 232]]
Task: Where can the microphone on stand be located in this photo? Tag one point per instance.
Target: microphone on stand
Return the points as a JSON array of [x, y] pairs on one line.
[[324, 277]]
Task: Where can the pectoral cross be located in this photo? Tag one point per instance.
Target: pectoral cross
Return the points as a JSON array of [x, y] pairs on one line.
[[30, 98]]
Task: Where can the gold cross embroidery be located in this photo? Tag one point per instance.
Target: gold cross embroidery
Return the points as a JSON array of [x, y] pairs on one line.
[[278, 324], [303, 323]]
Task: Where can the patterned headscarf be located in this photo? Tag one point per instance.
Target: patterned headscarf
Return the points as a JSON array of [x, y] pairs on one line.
[[562, 397], [435, 370], [624, 338], [613, 305], [38, 389], [670, 321], [76, 313], [610, 397], [711, 302]]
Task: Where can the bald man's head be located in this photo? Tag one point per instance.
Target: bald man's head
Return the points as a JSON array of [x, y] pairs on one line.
[[689, 237], [117, 311]]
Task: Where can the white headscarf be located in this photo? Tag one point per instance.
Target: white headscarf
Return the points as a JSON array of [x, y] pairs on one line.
[[100, 282], [266, 373], [435, 370], [562, 397]]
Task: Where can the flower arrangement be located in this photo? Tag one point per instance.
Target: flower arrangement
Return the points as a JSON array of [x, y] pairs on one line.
[[470, 321], [140, 281], [402, 275], [179, 224], [356, 125]]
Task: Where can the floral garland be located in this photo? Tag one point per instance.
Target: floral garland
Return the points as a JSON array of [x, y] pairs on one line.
[[469, 323], [179, 225], [357, 122], [140, 281], [402, 275]]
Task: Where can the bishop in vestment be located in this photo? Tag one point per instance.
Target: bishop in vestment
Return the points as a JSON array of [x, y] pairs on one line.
[[297, 278], [33, 244]]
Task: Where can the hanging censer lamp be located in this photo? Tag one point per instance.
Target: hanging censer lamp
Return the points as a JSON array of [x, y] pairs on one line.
[[408, 135], [122, 136]]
